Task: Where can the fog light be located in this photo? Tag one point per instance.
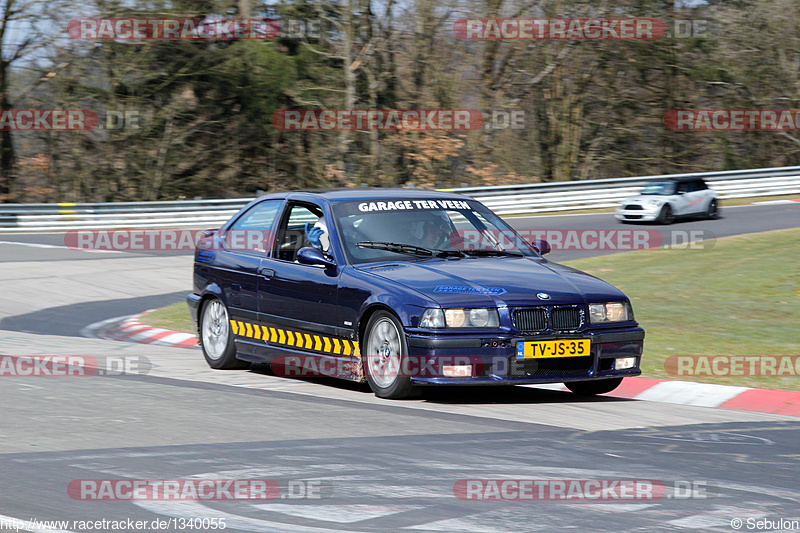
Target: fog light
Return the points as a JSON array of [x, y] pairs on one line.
[[624, 362], [457, 371]]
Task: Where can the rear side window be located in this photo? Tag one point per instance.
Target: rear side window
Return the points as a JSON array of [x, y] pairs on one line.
[[253, 231]]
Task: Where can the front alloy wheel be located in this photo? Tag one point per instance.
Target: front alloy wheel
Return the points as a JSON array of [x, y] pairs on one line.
[[385, 356], [666, 217], [216, 339]]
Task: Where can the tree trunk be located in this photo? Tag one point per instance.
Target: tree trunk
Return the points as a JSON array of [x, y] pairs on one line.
[[6, 140]]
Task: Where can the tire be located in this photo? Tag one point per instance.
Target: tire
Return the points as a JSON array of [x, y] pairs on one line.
[[216, 339], [712, 211], [665, 216], [385, 352], [591, 388]]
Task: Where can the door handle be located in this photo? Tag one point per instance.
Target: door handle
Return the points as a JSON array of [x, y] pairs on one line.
[[266, 272]]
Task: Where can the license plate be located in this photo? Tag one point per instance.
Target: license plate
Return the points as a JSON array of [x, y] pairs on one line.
[[549, 349]]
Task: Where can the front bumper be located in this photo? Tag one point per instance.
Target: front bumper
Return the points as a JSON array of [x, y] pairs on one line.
[[640, 215], [494, 358], [193, 302]]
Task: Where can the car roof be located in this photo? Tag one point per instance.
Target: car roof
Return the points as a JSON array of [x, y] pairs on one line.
[[364, 193], [684, 178]]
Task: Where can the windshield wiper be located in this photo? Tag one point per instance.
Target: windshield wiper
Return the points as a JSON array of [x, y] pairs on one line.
[[396, 247], [493, 252], [409, 249]]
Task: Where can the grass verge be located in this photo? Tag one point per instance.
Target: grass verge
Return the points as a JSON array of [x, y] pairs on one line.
[[741, 297], [174, 317]]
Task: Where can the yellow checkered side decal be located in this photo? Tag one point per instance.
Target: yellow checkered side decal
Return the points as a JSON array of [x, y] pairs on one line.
[[292, 338]]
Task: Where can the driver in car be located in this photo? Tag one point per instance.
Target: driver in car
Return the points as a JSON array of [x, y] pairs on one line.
[[318, 234], [438, 234]]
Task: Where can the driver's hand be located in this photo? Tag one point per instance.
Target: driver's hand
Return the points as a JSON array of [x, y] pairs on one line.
[[314, 234]]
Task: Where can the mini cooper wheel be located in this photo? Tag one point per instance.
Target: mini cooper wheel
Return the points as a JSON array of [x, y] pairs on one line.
[[384, 356], [712, 212], [216, 339], [665, 216], [591, 388]]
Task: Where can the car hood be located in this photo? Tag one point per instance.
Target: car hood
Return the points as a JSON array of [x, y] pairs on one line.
[[644, 199], [508, 281]]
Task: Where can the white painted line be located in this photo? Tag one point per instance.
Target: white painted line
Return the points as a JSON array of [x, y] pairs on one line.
[[37, 245], [690, 393], [129, 328], [175, 338], [144, 335], [547, 386], [91, 330], [342, 514], [193, 509]]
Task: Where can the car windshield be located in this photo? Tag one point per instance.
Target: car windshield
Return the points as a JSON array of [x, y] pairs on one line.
[[414, 229], [665, 188]]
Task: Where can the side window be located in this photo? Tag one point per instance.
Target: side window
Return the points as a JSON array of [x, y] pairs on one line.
[[701, 185], [683, 187], [292, 233], [253, 230]]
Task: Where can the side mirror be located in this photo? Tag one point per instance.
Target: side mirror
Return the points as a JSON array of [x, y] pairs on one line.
[[541, 246], [314, 256]]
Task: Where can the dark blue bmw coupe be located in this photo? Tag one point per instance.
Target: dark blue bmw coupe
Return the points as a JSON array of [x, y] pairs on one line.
[[403, 288]]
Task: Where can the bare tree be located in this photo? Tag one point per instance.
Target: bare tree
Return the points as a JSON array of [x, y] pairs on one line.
[[27, 27]]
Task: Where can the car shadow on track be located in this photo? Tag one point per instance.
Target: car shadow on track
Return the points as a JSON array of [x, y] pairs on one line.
[[460, 395], [507, 395]]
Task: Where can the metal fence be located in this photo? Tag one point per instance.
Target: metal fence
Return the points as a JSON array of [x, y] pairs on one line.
[[504, 200]]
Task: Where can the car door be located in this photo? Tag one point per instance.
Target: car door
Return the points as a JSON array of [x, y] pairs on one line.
[[693, 199], [243, 246], [681, 198], [298, 300]]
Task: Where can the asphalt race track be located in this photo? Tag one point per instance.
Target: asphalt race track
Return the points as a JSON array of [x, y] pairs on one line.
[[342, 459]]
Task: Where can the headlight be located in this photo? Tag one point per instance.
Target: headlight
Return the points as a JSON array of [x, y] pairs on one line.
[[460, 318], [432, 318], [610, 312], [654, 203]]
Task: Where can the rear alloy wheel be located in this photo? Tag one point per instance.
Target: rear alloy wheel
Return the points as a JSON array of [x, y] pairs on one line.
[[591, 388], [216, 339], [385, 356], [712, 212], [666, 217]]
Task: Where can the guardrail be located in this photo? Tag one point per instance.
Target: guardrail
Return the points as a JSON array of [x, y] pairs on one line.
[[504, 200], [601, 194]]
